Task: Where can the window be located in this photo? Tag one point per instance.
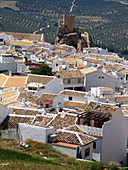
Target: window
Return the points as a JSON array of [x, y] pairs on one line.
[[102, 77], [99, 77], [68, 81], [56, 64], [70, 98], [94, 145], [87, 151], [79, 80]]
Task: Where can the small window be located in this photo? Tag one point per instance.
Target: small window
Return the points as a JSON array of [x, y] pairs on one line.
[[56, 64], [99, 77], [102, 77], [70, 98], [121, 78], [79, 80], [94, 145], [87, 152], [68, 81]]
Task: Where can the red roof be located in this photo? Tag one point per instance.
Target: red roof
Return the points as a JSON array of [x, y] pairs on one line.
[[66, 144], [46, 102]]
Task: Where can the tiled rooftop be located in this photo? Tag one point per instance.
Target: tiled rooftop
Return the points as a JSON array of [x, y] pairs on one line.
[[90, 106], [74, 138], [120, 99], [3, 78], [19, 111], [76, 128], [39, 79], [123, 71], [21, 36], [65, 74], [12, 121], [8, 96], [106, 109], [73, 93], [88, 70], [48, 96], [15, 82], [95, 61], [106, 88], [74, 104], [31, 98], [73, 60], [42, 120], [61, 122], [19, 43]]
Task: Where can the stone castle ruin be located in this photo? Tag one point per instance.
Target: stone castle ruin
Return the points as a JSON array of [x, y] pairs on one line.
[[68, 34]]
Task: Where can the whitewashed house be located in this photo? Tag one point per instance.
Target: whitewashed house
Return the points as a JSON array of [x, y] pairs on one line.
[[96, 78], [73, 99], [41, 83], [101, 91], [108, 124], [74, 144], [72, 79]]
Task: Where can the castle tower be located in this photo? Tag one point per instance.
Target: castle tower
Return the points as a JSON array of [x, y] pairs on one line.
[[68, 23]]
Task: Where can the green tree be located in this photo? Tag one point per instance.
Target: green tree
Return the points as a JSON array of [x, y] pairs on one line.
[[44, 70]]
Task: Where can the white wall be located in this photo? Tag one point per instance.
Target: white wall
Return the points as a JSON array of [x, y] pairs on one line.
[[91, 151], [75, 98], [36, 133], [93, 80], [53, 87], [97, 151], [114, 143], [9, 66], [6, 59], [71, 152], [3, 113], [3, 51]]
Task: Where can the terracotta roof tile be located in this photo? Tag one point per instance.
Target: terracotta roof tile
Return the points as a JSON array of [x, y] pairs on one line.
[[43, 119], [18, 43], [12, 121], [95, 61], [3, 78], [71, 104], [48, 96], [105, 109], [65, 74], [21, 36], [61, 122], [15, 82], [19, 111], [39, 79], [88, 70], [73, 138], [76, 128], [73, 93], [31, 98]]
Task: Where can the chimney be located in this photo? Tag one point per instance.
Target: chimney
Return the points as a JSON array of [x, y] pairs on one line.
[[10, 73], [28, 94], [63, 114], [23, 102]]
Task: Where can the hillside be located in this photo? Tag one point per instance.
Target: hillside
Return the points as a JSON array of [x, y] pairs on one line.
[[105, 20], [41, 156]]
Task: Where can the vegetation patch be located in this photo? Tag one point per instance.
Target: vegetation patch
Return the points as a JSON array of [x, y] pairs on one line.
[[42, 156], [9, 4]]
